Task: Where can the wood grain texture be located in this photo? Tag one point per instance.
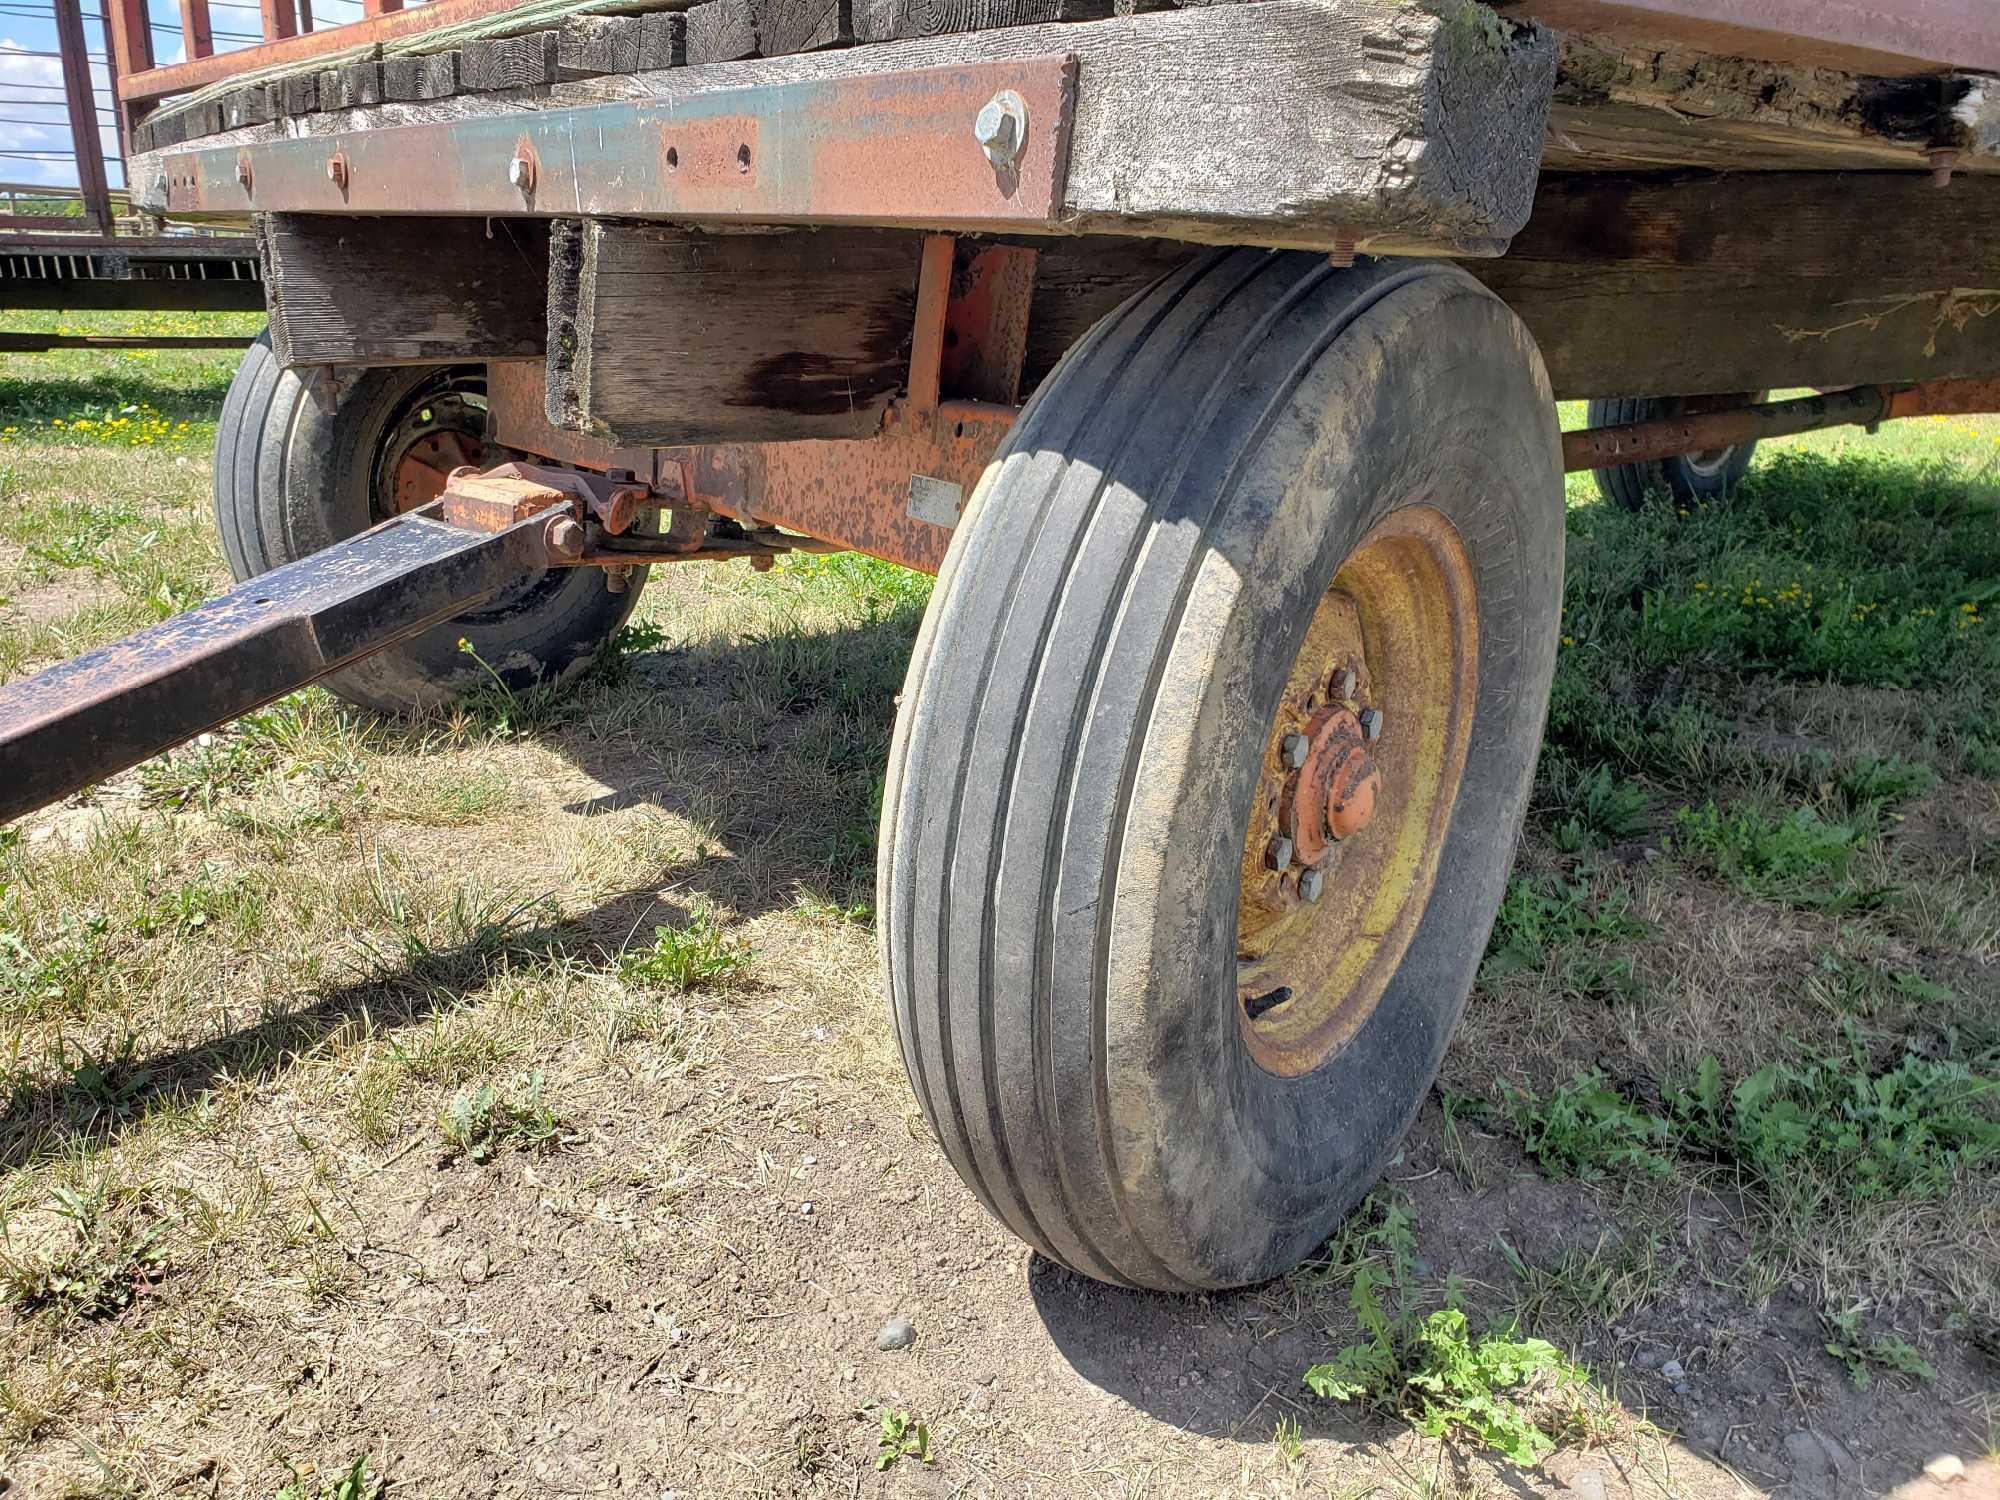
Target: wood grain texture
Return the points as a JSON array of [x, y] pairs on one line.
[[431, 76], [510, 62], [592, 45], [918, 18], [404, 291], [1647, 287], [251, 105], [786, 26], [721, 31], [684, 337], [354, 85], [663, 39], [297, 94]]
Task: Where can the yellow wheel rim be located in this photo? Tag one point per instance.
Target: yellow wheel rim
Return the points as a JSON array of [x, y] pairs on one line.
[[1360, 773]]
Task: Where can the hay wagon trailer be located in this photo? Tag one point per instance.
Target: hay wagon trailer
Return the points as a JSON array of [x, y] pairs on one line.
[[1219, 729]]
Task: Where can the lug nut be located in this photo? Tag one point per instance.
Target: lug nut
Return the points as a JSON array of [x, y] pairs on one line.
[[1292, 750], [1278, 854], [1371, 723], [1311, 884]]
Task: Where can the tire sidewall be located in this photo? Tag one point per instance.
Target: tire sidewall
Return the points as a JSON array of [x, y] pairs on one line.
[[1233, 1169], [311, 479]]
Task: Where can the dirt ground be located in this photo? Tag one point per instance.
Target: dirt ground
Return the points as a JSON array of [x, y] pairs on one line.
[[252, 994]]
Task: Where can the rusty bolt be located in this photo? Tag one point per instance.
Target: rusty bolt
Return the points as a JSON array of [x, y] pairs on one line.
[[1001, 128], [1311, 884], [1292, 750], [1371, 723], [1943, 162], [564, 537], [1344, 683], [336, 170], [521, 172], [617, 580], [1278, 854], [243, 175]]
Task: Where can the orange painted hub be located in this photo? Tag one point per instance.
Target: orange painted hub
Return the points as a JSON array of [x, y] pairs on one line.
[[1361, 771], [424, 469]]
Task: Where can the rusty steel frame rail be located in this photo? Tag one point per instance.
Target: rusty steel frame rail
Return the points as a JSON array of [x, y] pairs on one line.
[[887, 148], [1706, 432], [111, 708]]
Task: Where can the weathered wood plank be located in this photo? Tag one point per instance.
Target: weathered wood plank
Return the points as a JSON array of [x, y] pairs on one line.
[[685, 337], [592, 45], [1401, 127], [1644, 286], [509, 62], [250, 105], [433, 75], [352, 85], [918, 18], [296, 94], [404, 291], [663, 39], [721, 31]]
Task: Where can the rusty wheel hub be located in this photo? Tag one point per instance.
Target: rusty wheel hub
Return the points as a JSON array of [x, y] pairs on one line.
[[424, 468], [1361, 770]]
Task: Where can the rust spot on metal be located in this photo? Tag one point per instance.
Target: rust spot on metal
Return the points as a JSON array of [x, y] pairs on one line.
[[927, 335], [986, 324], [495, 500], [427, 466]]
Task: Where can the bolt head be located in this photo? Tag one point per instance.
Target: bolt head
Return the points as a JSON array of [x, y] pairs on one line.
[[1371, 723], [997, 127], [1278, 854], [565, 537], [519, 173], [333, 171], [1312, 884], [1292, 751]]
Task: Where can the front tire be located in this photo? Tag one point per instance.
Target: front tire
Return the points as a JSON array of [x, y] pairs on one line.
[[1138, 596], [302, 464]]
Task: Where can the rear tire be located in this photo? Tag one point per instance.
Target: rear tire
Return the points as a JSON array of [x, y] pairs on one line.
[[300, 465], [1072, 813], [1688, 479]]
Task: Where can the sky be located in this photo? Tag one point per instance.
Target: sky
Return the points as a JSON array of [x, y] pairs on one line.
[[34, 124]]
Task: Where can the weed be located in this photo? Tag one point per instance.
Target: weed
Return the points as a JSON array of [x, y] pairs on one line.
[[1537, 919], [111, 1083], [1601, 1284], [1431, 1372], [353, 1483], [480, 1121], [107, 1253], [697, 955], [1802, 857], [1587, 1128], [1884, 781], [1597, 807], [1290, 1440], [900, 1436], [1862, 1354], [1903, 1131]]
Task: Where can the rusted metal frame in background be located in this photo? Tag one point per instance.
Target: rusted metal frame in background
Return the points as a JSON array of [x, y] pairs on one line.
[[278, 18], [892, 149], [87, 143], [195, 28], [1706, 432]]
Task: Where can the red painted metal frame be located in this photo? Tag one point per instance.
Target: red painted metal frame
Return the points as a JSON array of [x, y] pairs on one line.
[[882, 148], [87, 145]]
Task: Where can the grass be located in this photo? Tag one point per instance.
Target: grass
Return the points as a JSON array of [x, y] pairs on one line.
[[1724, 1079]]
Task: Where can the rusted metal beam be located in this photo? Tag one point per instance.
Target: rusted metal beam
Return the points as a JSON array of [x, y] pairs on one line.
[[891, 149], [1646, 442], [195, 29], [41, 343], [86, 143], [77, 723], [927, 328]]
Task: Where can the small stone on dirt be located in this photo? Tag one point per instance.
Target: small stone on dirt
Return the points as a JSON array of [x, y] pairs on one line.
[[1672, 1370], [1587, 1484], [1646, 1359], [898, 1333], [1946, 1468]]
